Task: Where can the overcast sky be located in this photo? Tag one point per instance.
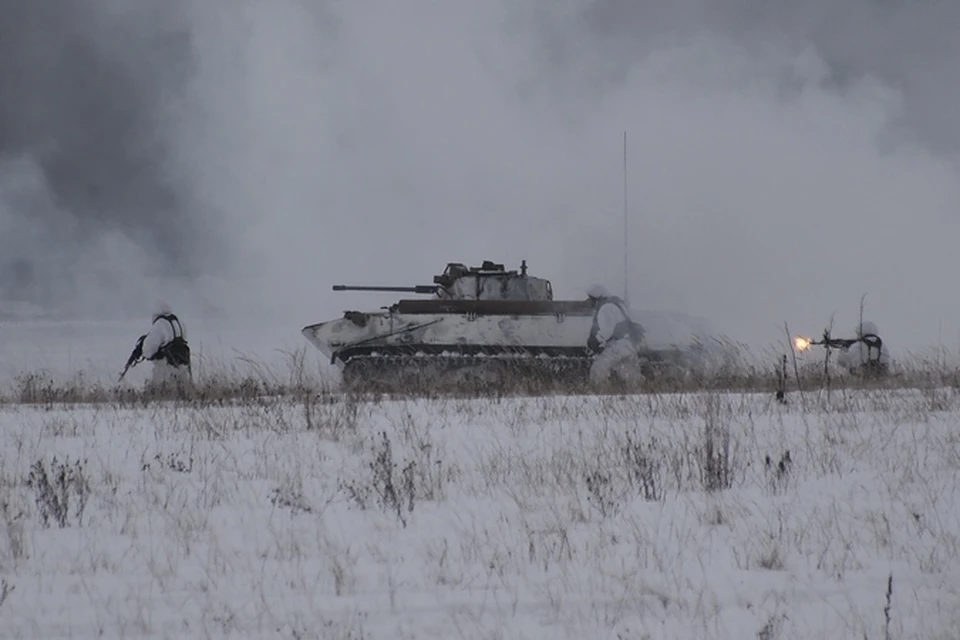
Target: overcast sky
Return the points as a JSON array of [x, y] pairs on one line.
[[783, 160]]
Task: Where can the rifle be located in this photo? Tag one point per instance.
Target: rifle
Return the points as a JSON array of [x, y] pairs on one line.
[[872, 341], [869, 339], [136, 356]]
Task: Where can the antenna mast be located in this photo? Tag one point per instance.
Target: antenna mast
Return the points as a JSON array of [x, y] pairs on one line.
[[626, 288]]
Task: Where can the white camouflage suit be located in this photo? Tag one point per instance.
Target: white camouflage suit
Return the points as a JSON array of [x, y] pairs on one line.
[[162, 332], [617, 353], [859, 354]]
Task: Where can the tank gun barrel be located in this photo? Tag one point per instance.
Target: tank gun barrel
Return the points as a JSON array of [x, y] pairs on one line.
[[420, 288]]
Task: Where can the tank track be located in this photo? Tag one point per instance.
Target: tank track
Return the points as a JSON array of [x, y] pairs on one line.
[[482, 374]]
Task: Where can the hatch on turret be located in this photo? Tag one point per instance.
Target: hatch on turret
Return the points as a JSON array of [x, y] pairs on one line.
[[491, 281]]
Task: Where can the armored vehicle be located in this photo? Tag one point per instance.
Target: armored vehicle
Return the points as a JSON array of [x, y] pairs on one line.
[[485, 324]]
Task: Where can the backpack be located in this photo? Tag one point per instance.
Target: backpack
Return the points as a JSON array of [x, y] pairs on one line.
[[873, 365], [177, 351], [626, 327]]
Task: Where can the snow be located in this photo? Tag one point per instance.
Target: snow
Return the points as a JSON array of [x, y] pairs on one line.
[[263, 519]]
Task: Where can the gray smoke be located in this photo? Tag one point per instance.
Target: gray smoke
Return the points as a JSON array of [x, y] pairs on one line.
[[88, 183], [911, 49], [784, 157]]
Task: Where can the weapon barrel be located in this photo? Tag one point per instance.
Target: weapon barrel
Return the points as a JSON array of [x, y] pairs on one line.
[[420, 288], [837, 343]]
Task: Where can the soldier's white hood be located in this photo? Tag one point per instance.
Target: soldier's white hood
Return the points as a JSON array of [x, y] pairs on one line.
[[868, 327], [598, 291]]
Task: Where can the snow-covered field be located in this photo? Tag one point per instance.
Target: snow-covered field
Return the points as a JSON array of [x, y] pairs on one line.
[[564, 517]]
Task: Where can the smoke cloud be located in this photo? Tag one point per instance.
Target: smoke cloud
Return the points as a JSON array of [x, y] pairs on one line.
[[87, 198], [781, 161]]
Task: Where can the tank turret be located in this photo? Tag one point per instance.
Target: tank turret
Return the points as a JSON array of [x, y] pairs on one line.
[[490, 281]]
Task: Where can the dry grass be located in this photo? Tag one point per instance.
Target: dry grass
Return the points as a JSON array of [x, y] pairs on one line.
[[216, 382], [246, 380]]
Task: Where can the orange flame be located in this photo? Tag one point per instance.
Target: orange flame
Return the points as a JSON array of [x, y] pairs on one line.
[[802, 344]]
